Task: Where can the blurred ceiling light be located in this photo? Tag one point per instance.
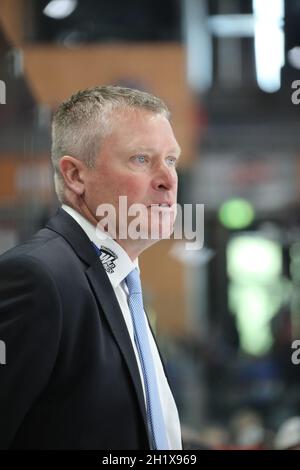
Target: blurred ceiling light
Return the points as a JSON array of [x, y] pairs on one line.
[[59, 9], [294, 57], [232, 25], [269, 43], [199, 48]]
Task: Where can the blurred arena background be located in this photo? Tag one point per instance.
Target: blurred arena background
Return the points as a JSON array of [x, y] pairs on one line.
[[227, 315]]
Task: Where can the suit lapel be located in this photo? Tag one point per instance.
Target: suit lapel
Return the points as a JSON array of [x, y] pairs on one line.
[[71, 231], [105, 295]]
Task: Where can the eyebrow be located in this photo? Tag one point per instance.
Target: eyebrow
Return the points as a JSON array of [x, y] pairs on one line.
[[175, 150]]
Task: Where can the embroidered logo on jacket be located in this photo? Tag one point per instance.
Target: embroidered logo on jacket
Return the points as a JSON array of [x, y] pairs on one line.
[[107, 258]]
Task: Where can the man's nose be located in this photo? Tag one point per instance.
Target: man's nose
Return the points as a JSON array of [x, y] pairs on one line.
[[165, 178]]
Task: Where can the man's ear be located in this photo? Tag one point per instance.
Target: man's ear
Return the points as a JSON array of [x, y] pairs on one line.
[[72, 171]]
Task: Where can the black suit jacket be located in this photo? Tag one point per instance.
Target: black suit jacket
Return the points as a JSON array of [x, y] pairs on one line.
[[71, 380]]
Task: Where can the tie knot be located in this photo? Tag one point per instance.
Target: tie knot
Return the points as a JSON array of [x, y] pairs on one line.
[[133, 282]]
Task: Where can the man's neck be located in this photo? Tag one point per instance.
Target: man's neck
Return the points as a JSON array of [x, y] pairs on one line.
[[132, 247]]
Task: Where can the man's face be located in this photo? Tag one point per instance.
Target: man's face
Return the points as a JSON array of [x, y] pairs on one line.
[[138, 160]]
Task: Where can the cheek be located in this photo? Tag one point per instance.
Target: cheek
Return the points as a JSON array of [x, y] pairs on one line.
[[106, 185], [134, 187]]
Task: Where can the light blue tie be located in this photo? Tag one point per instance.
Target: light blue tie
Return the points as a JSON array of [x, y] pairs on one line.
[[154, 410]]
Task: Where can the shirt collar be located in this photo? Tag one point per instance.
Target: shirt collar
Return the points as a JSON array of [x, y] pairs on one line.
[[114, 258]]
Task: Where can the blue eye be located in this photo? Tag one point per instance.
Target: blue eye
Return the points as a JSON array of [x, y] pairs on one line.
[[172, 161], [141, 158]]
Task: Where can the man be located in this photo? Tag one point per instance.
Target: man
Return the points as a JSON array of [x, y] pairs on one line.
[[81, 372]]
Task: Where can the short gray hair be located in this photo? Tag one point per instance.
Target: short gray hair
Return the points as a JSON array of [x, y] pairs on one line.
[[82, 121]]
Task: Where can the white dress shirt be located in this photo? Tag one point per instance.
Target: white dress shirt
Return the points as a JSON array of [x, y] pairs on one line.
[[118, 265]]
